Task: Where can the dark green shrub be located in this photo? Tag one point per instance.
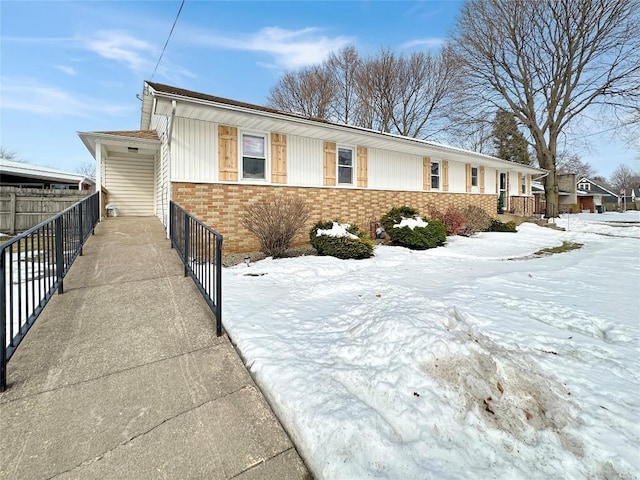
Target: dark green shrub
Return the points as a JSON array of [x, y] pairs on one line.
[[501, 204], [476, 220], [341, 247], [498, 226], [434, 234]]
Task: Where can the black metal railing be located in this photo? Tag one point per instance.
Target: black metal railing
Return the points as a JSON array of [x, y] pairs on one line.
[[200, 249], [32, 268]]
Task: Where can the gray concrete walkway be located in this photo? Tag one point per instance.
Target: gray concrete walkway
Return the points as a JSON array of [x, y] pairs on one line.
[[123, 377]]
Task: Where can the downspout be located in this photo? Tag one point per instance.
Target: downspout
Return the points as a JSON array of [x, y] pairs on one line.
[[174, 105]]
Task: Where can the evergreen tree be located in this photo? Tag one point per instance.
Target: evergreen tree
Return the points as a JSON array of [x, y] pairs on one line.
[[509, 142]]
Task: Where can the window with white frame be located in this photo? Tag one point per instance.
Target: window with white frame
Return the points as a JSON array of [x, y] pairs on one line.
[[474, 176], [584, 186], [435, 175], [345, 165], [254, 156], [523, 186]]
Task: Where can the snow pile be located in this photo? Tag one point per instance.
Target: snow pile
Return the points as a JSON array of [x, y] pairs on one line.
[[337, 230], [411, 223], [613, 224], [453, 362]]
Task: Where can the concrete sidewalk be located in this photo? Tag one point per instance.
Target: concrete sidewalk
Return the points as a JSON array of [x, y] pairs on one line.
[[123, 377]]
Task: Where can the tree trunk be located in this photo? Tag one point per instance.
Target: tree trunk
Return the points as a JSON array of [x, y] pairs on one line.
[[546, 159]]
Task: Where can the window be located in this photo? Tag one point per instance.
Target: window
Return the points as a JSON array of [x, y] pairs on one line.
[[584, 186], [254, 158], [435, 175], [474, 176], [345, 165], [523, 187]]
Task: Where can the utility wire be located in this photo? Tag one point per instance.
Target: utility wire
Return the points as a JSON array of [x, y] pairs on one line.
[[168, 38]]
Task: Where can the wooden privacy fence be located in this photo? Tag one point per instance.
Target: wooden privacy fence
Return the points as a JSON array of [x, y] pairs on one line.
[[23, 208]]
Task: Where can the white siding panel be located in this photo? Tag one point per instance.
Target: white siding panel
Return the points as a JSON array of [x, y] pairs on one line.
[[159, 123], [305, 161], [457, 177], [193, 150], [398, 171], [130, 183], [490, 180]]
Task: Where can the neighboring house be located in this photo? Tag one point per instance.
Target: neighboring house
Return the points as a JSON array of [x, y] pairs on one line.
[[606, 192], [24, 175], [213, 156]]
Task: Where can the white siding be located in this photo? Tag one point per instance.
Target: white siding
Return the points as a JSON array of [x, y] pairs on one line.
[[193, 151], [130, 183], [397, 171], [159, 123], [305, 161], [457, 177], [490, 180], [514, 186]]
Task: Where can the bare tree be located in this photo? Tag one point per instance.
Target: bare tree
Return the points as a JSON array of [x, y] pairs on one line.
[[378, 90], [570, 163], [344, 67], [88, 169], [624, 177], [309, 92], [10, 155], [548, 61]]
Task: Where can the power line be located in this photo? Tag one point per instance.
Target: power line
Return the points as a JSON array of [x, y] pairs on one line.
[[168, 38]]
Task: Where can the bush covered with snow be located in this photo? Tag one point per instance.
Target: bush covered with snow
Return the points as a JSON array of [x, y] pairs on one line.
[[340, 240], [475, 220], [408, 229], [498, 226]]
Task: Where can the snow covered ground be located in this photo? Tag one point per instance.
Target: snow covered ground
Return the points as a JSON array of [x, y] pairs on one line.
[[475, 360]]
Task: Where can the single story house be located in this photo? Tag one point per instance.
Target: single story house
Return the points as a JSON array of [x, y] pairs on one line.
[[591, 186], [213, 156]]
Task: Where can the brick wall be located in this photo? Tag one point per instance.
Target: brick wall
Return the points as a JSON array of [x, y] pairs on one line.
[[221, 206], [522, 205]]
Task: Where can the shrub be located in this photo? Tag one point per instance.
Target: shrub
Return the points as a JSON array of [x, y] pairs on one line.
[[498, 226], [432, 235], [476, 220], [452, 218], [355, 245], [275, 222]]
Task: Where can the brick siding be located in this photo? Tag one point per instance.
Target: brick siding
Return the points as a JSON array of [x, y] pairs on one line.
[[221, 206], [522, 205]]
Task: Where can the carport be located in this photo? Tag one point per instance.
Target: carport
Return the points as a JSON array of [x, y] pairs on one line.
[[126, 170]]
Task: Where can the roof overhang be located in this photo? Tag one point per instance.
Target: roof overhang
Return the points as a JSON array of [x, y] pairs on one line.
[[203, 107], [42, 173], [120, 143]]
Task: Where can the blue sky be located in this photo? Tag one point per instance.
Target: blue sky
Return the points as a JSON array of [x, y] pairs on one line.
[[77, 66]]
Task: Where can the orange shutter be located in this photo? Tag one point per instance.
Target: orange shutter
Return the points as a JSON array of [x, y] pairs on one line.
[[426, 173], [445, 175], [497, 182], [481, 179], [468, 177], [227, 153], [330, 161], [528, 180], [278, 158], [363, 169]]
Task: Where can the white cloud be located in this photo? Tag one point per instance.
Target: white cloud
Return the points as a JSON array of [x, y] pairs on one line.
[[289, 48], [125, 48], [65, 69], [32, 96], [428, 43]]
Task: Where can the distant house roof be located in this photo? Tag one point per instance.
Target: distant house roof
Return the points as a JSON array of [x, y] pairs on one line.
[[37, 172], [603, 189]]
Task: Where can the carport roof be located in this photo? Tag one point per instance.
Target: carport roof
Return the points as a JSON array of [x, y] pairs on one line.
[[144, 134]]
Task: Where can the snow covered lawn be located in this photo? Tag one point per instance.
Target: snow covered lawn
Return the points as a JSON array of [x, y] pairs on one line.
[[474, 360]]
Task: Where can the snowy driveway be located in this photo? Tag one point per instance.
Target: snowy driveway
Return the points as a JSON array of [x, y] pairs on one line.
[[473, 360]]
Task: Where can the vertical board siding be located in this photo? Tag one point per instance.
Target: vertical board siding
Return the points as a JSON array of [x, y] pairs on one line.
[[228, 153], [305, 161], [528, 180], [278, 158], [330, 161], [519, 184], [426, 173], [362, 165], [159, 123], [131, 183], [467, 180], [445, 175], [456, 177], [193, 150], [481, 178], [393, 170]]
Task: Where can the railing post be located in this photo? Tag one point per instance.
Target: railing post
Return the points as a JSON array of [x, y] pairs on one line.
[[186, 242], [59, 254], [3, 326], [219, 285], [80, 227]]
